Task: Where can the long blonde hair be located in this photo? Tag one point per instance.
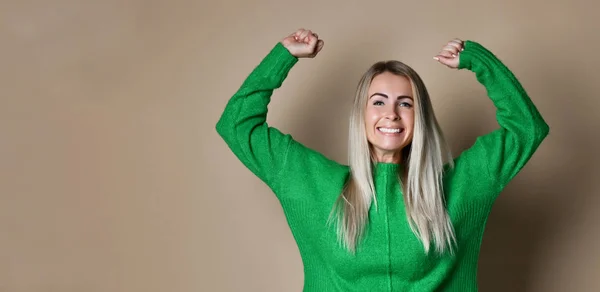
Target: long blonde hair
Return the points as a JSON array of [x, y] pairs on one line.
[[421, 179]]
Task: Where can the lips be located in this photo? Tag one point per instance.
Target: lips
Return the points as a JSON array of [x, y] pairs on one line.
[[390, 130]]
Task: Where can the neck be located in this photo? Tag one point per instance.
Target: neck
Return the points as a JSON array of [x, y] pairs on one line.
[[391, 157]]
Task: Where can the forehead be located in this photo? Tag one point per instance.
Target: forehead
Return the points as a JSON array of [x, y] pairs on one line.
[[390, 83]]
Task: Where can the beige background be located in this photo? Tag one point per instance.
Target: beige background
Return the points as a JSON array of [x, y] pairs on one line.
[[114, 179]]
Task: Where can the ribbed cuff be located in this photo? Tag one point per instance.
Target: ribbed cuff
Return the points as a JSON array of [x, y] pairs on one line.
[[473, 51], [278, 62]]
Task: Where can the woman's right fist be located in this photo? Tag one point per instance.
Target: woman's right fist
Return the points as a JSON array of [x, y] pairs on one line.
[[303, 44]]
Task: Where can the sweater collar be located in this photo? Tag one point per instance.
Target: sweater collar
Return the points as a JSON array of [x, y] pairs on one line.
[[387, 167]]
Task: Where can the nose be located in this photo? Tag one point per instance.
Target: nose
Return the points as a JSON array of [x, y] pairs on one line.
[[393, 115]]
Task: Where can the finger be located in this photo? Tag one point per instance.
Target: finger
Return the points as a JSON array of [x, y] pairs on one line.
[[446, 54], [443, 60], [452, 53], [320, 45], [440, 58], [454, 45], [298, 33], [318, 48], [304, 34], [449, 54], [458, 46], [312, 40], [452, 49], [316, 35], [458, 43]]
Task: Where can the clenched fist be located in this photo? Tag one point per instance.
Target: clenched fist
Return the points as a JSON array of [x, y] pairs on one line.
[[450, 54], [303, 44]]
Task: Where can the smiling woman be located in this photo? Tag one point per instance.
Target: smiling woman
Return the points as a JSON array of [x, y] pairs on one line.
[[425, 210], [389, 115], [392, 110]]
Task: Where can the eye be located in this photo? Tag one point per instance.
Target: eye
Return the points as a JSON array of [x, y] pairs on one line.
[[378, 102], [404, 104]]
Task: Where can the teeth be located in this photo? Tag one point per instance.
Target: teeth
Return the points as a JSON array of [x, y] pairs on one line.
[[389, 130]]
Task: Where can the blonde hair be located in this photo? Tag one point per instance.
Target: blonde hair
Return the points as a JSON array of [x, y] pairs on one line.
[[421, 180]]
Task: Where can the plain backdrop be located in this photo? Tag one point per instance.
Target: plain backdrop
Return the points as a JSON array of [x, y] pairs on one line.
[[113, 177]]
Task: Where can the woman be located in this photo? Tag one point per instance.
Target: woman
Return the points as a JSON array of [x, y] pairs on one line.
[[403, 215]]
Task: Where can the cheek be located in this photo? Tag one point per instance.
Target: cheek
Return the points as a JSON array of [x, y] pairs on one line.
[[409, 119], [370, 118]]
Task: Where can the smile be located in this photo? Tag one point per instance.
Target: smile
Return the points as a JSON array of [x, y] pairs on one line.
[[390, 131]]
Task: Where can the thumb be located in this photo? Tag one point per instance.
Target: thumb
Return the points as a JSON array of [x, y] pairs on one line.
[[313, 40], [443, 60], [320, 44]]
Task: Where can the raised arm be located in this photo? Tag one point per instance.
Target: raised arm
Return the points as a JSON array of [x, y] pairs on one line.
[[242, 125], [502, 153]]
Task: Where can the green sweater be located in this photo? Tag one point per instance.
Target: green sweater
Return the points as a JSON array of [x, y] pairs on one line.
[[390, 257]]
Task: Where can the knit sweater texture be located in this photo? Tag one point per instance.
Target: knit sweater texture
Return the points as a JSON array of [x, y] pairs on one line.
[[389, 257]]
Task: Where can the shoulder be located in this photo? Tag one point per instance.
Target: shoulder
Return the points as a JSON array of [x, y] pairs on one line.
[[309, 161], [468, 180], [309, 174]]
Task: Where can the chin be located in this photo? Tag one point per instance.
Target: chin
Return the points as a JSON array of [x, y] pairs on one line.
[[391, 148], [387, 149]]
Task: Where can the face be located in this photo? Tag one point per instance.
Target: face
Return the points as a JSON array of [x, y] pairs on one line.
[[389, 116]]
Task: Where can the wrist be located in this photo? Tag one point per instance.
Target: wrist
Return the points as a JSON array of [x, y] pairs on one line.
[[286, 49]]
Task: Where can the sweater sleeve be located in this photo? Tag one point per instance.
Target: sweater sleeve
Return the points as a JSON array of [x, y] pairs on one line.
[[502, 153], [242, 125]]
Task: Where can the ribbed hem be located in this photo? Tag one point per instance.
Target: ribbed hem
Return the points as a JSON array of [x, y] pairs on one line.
[[278, 62], [473, 52]]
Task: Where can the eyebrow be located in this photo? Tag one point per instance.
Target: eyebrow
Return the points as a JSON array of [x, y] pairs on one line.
[[386, 96]]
